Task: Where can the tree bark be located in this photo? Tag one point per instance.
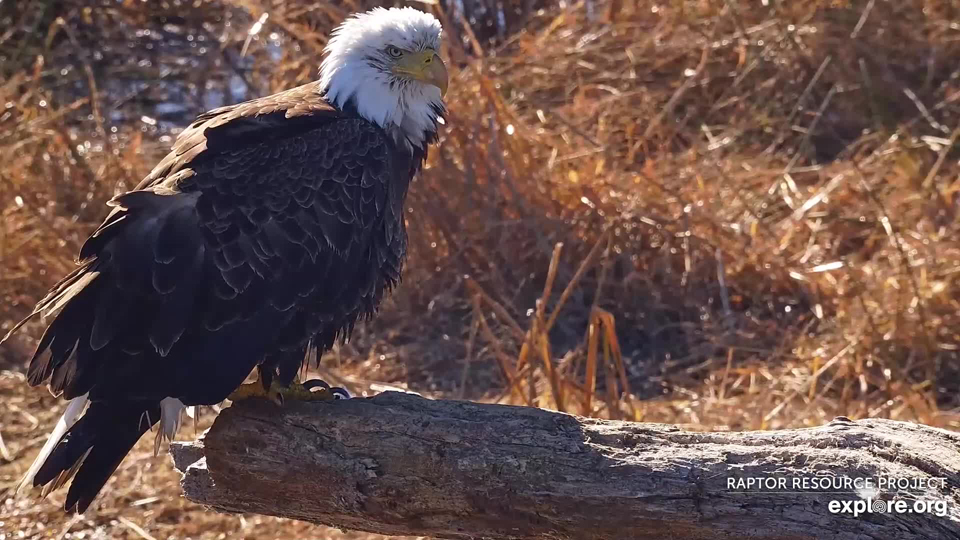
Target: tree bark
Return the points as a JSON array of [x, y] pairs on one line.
[[404, 465]]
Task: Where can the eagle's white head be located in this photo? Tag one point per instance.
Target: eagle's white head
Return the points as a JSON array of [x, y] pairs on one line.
[[384, 63]]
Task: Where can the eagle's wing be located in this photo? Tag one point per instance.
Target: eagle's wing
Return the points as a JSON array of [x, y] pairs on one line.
[[270, 222], [228, 128], [260, 209]]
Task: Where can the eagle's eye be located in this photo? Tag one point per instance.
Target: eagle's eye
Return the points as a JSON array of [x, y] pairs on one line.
[[394, 51]]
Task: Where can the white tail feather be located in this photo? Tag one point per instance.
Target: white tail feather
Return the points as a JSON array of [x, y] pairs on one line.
[[170, 416], [74, 410]]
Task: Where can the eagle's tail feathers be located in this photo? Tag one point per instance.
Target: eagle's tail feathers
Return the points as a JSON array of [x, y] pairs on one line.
[[91, 449], [74, 409]]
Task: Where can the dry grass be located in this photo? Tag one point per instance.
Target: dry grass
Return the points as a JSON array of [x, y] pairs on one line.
[[720, 215]]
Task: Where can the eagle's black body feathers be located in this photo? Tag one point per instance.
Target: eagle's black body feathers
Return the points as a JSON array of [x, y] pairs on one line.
[[272, 227]]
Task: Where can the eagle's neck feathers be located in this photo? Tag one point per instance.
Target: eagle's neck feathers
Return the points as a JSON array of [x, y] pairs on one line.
[[406, 112]]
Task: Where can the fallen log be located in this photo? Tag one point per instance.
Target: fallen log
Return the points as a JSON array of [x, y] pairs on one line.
[[403, 465]]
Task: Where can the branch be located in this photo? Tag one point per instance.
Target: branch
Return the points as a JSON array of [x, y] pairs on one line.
[[404, 465]]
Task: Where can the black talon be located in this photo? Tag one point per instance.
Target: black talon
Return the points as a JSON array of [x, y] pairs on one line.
[[337, 391], [316, 383]]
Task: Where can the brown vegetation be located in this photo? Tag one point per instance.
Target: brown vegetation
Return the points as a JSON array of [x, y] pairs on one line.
[[756, 205]]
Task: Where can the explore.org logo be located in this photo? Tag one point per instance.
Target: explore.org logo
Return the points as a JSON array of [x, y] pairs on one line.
[[870, 506], [854, 496]]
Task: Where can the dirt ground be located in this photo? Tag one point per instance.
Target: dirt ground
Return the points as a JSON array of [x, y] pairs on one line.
[[755, 206]]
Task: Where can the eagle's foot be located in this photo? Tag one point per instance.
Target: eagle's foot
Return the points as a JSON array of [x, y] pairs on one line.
[[311, 390], [256, 389], [334, 392]]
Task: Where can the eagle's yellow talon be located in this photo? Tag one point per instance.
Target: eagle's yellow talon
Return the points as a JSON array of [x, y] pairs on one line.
[[278, 394], [298, 392]]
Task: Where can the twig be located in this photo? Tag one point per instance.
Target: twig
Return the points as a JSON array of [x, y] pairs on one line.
[[536, 335], [796, 392], [504, 361], [941, 157], [925, 112], [798, 106], [587, 262], [138, 530], [4, 452], [468, 359], [688, 83]]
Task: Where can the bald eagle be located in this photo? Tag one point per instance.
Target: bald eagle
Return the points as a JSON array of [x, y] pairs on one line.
[[267, 232]]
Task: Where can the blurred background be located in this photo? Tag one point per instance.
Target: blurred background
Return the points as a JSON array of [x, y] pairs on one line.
[[724, 214]]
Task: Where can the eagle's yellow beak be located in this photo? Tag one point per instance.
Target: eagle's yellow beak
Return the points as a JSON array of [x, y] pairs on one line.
[[424, 66]]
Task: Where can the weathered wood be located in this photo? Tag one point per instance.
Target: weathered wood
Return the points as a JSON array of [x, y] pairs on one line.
[[402, 464]]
